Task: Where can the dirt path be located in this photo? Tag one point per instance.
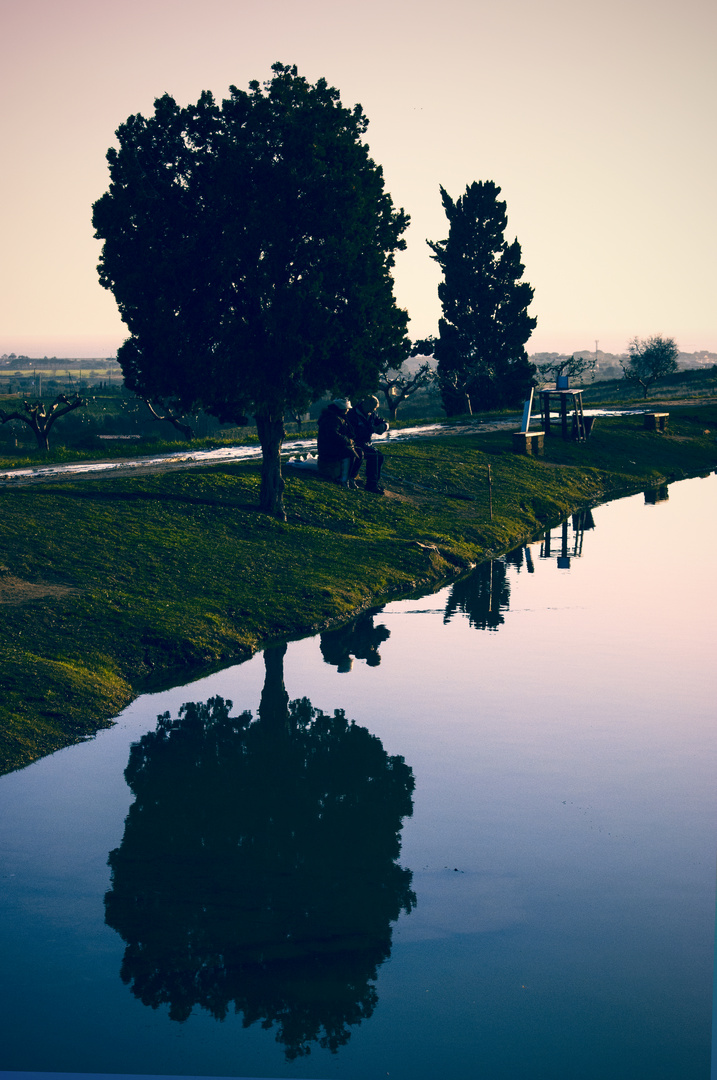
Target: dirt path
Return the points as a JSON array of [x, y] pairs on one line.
[[14, 590]]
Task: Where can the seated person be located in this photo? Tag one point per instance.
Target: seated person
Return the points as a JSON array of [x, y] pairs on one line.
[[337, 453], [365, 422], [360, 638]]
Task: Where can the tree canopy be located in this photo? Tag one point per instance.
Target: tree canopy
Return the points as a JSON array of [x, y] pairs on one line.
[[249, 247], [650, 359], [482, 362]]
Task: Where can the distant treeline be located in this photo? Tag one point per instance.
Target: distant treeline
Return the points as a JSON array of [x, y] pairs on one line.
[[60, 363]]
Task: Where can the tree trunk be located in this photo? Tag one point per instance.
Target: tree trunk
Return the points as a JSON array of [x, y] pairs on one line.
[[271, 435], [42, 436]]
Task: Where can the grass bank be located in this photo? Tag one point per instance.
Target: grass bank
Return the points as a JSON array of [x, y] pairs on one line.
[[114, 586]]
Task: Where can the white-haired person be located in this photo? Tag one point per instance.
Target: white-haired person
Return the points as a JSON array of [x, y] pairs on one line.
[[338, 455], [365, 423]]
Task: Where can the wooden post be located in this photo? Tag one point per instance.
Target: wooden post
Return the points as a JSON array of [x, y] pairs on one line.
[[490, 493], [545, 408]]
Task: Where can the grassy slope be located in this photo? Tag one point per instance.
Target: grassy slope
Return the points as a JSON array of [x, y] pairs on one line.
[[176, 572]]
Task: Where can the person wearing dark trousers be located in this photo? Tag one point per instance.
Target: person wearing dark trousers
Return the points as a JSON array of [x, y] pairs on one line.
[[365, 423], [338, 456]]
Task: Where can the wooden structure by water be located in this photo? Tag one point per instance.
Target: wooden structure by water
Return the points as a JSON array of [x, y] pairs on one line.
[[579, 429]]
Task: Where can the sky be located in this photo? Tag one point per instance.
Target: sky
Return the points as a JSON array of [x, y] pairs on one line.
[[597, 121]]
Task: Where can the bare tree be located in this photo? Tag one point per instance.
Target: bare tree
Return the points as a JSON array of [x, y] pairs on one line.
[[41, 418], [399, 386], [572, 366]]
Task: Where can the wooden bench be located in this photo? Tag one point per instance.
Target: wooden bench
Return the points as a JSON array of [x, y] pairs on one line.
[[529, 442], [656, 421], [526, 441]]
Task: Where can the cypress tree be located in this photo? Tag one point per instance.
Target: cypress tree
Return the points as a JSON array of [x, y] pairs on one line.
[[482, 362]]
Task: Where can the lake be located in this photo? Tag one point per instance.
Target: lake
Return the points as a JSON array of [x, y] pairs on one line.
[[470, 834]]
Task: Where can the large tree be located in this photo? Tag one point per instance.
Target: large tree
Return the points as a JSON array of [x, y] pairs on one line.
[[249, 246], [650, 359], [482, 362]]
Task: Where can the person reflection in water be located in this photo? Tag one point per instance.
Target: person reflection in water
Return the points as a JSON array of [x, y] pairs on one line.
[[359, 639], [259, 871]]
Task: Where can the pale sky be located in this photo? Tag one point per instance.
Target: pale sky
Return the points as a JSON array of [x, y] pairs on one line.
[[597, 120]]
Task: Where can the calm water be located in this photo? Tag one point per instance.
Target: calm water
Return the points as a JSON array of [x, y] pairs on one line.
[[504, 868]]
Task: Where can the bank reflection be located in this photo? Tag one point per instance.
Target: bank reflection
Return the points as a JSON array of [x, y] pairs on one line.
[[258, 870]]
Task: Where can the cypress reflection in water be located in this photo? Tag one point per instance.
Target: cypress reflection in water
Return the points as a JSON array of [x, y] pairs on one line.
[[483, 595], [258, 869]]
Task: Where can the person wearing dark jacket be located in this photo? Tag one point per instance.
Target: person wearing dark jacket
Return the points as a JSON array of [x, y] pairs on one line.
[[365, 423], [337, 452]]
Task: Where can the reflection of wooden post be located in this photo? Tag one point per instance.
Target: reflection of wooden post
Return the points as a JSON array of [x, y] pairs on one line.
[[563, 557], [529, 560], [577, 534]]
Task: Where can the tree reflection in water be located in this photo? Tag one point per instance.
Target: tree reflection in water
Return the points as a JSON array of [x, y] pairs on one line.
[[258, 869], [483, 595]]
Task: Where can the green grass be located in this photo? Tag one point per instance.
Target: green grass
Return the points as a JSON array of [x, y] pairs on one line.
[[177, 573]]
